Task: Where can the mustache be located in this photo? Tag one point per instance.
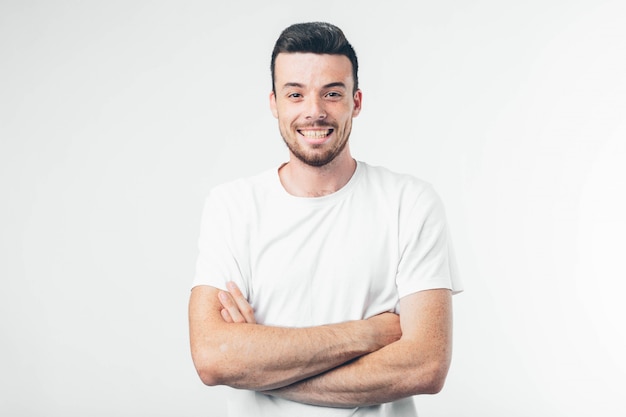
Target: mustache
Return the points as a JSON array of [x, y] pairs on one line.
[[316, 125]]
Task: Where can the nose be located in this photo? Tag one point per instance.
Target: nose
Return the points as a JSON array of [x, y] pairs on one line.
[[315, 109]]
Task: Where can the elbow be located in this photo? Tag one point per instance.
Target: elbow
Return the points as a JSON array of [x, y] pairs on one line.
[[433, 379], [434, 386], [209, 372], [208, 376]]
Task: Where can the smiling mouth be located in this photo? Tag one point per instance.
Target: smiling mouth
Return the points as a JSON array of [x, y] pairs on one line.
[[315, 133]]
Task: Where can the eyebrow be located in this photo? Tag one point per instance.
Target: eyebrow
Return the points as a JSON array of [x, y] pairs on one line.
[[331, 85], [337, 84]]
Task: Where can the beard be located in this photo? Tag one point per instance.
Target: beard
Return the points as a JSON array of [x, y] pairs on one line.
[[316, 157]]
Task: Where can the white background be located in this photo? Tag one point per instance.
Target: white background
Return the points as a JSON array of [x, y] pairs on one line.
[[117, 117]]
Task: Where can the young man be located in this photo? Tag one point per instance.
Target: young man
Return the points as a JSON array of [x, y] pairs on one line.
[[323, 287]]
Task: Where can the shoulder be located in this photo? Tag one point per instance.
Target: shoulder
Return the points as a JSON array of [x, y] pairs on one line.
[[395, 185], [241, 190]]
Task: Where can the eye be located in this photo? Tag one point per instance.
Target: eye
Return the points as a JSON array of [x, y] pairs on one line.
[[333, 94], [294, 95]]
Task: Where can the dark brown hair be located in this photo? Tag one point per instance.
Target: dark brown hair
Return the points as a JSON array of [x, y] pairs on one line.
[[318, 38]]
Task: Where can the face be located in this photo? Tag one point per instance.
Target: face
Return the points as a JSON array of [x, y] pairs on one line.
[[314, 103]]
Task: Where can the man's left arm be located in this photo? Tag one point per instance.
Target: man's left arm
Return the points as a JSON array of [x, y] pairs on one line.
[[418, 363]]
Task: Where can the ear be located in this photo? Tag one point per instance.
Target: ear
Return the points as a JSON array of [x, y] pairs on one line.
[[358, 101], [273, 104]]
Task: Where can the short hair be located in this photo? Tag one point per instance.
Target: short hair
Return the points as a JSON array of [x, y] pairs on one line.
[[318, 38]]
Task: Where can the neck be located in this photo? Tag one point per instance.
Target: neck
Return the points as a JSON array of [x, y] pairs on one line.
[[302, 180]]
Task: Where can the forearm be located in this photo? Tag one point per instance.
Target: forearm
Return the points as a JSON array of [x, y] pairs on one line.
[[418, 363], [375, 378], [257, 357]]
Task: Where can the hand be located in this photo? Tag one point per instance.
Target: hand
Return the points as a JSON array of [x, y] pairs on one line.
[[235, 307], [387, 328]]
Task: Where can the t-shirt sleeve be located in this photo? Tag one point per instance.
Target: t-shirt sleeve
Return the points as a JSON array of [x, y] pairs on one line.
[[427, 258], [217, 262]]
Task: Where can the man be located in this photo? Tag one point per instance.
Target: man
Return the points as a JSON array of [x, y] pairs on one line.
[[323, 287]]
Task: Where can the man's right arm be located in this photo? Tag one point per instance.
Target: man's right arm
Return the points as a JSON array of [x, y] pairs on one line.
[[258, 357]]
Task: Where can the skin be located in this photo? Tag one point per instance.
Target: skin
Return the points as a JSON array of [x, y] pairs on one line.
[[417, 363], [315, 93], [349, 364], [243, 354]]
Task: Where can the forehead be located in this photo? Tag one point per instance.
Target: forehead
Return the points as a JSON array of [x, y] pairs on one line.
[[312, 69]]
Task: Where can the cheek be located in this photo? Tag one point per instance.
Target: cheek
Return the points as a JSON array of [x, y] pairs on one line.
[[344, 124], [285, 114]]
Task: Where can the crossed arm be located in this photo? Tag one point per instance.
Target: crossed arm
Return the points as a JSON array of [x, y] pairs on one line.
[[349, 364]]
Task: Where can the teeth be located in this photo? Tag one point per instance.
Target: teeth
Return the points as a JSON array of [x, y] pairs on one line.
[[316, 134]]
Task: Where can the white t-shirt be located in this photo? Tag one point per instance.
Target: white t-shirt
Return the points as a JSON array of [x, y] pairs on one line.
[[310, 261]]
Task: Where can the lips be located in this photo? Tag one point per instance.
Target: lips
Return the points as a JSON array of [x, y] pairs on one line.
[[315, 133], [316, 136]]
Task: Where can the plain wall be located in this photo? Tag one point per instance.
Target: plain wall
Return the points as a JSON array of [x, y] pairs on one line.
[[116, 118]]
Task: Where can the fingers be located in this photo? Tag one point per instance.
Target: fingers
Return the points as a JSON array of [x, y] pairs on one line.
[[230, 313], [245, 309], [387, 328], [236, 307], [226, 316]]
